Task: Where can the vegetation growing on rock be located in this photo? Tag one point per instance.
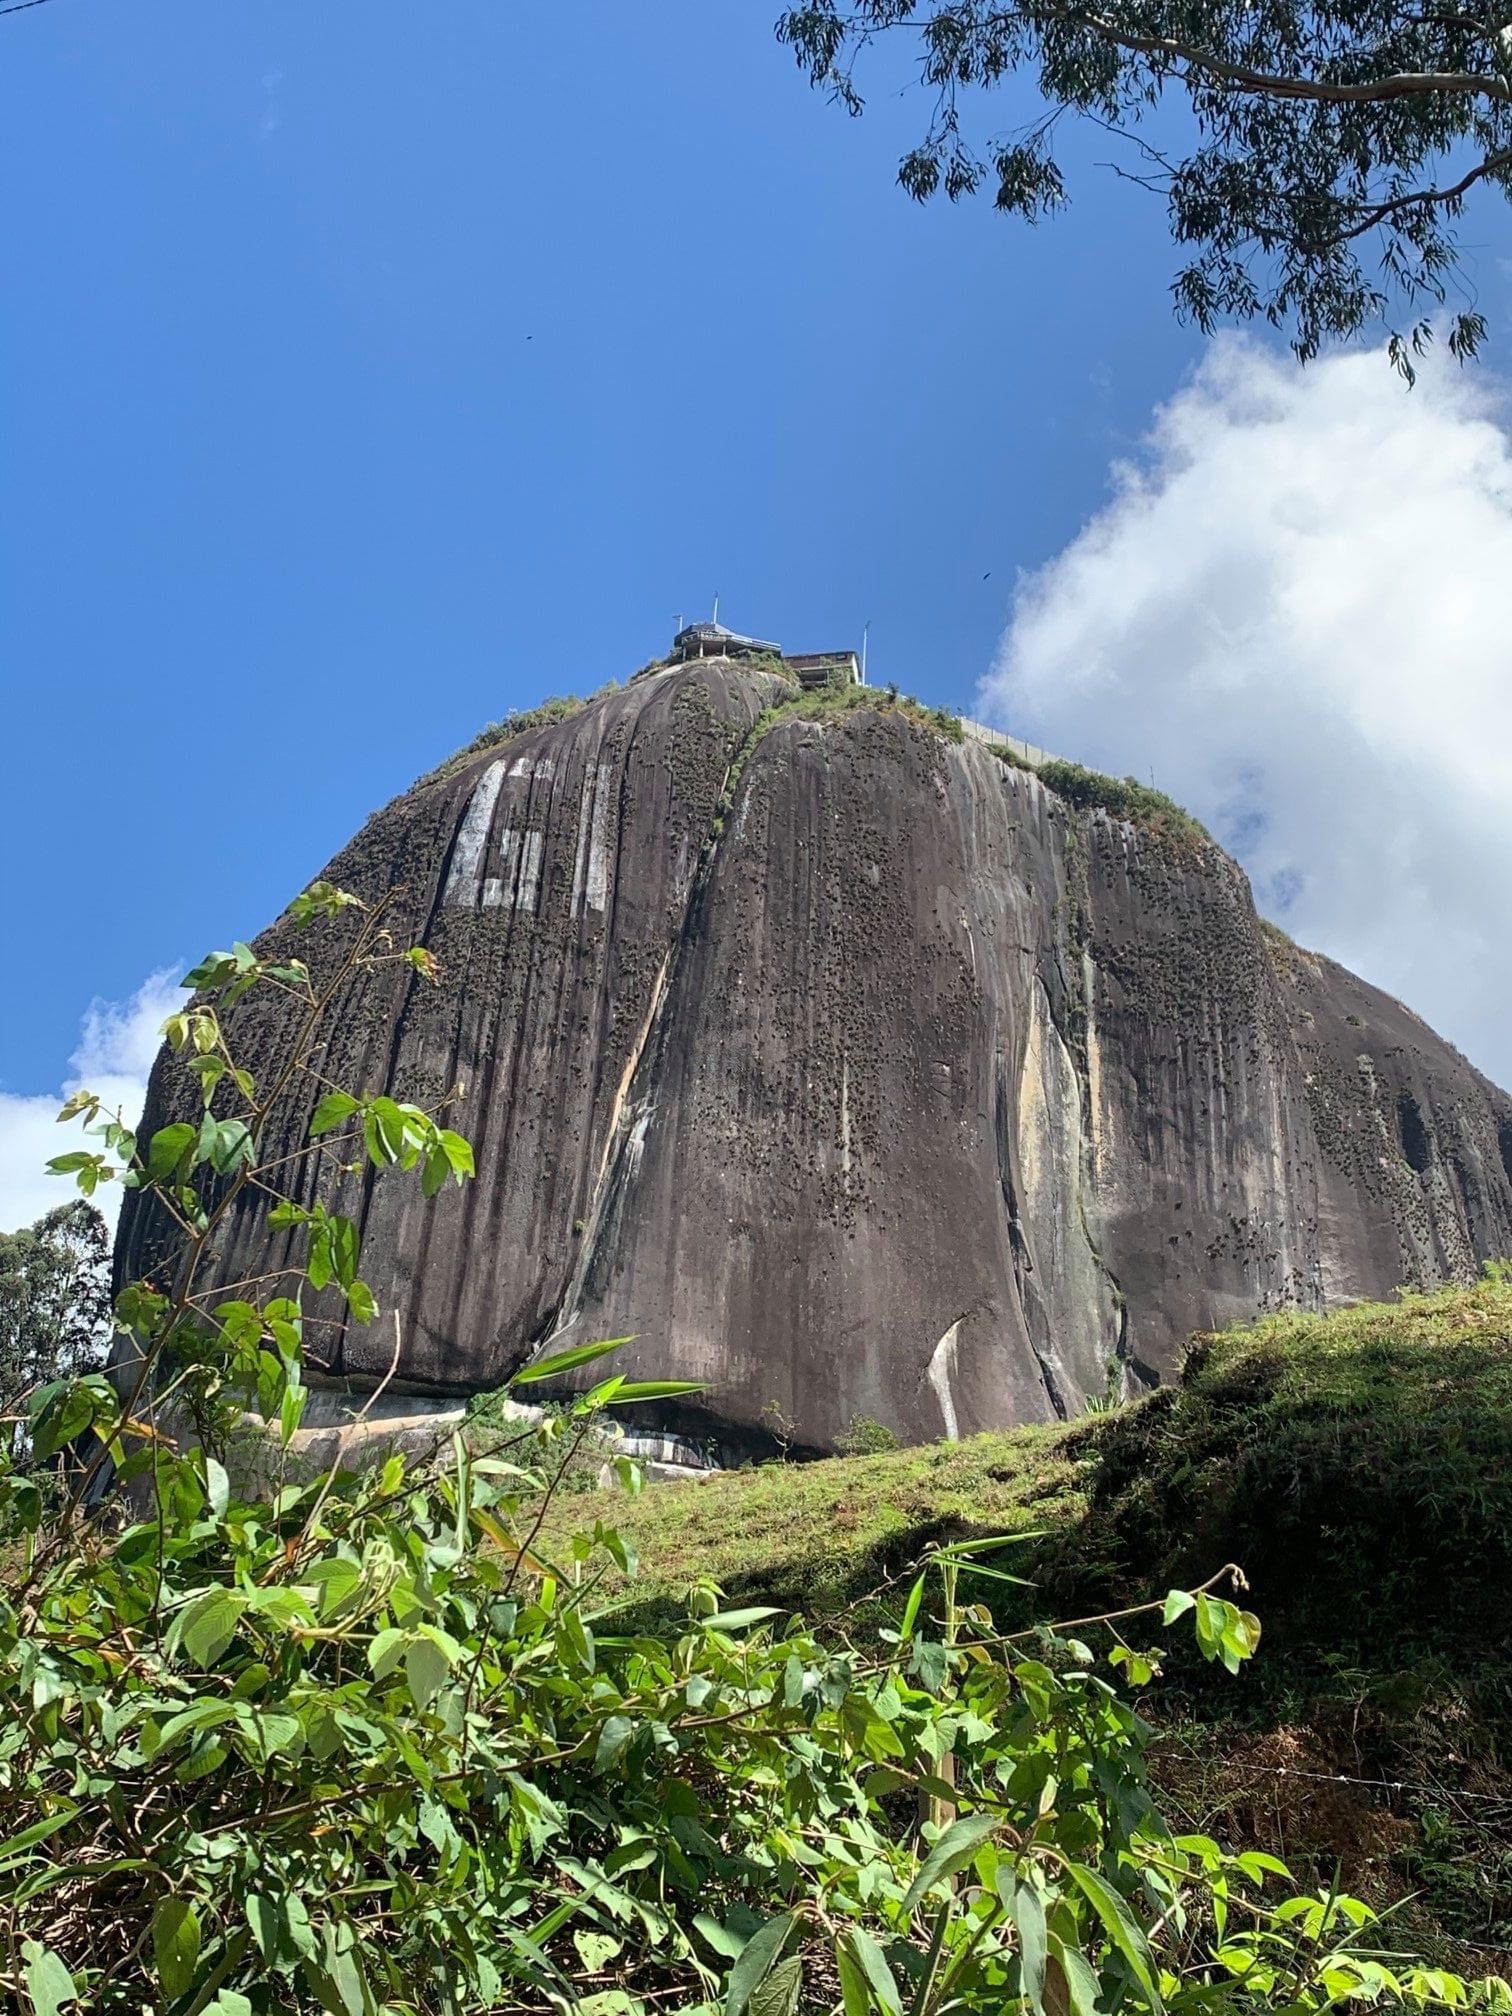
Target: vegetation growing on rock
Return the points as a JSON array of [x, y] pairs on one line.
[[560, 707], [1092, 791]]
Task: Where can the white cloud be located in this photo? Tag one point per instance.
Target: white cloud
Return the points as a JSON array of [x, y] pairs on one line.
[[117, 1043], [1294, 612]]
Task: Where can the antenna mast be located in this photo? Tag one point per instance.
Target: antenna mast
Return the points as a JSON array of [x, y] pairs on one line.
[[865, 633]]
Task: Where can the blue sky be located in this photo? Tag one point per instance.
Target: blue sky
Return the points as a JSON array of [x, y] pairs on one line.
[[372, 370]]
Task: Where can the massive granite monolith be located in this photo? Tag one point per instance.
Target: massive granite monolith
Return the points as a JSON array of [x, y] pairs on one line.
[[856, 1073]]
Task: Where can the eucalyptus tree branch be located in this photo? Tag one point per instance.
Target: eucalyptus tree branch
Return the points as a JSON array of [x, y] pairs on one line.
[[1316, 124]]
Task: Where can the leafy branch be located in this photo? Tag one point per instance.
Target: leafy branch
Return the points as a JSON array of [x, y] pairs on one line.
[[355, 1741], [1314, 128]]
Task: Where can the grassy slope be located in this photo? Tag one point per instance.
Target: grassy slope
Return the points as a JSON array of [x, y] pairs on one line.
[[1358, 1466]]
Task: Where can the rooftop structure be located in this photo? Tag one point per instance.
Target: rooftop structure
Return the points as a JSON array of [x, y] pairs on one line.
[[713, 640], [826, 668], [813, 668]]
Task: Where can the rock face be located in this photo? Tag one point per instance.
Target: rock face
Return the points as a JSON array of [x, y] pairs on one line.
[[856, 1073]]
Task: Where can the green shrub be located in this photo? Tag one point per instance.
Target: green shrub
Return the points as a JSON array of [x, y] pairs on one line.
[[862, 1436], [376, 1746], [561, 707], [1123, 797]]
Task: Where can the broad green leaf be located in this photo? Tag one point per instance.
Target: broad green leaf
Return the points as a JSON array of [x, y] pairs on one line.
[[1177, 1603], [217, 1487], [281, 1927], [1257, 1865], [318, 1264], [1209, 1624], [209, 1071], [566, 1361], [740, 1620], [1241, 1638], [758, 1957], [270, 1735], [458, 1152], [995, 1574], [48, 1982], [652, 1389], [386, 1650], [265, 1919], [209, 1624], [341, 1968], [911, 1610], [959, 1550], [290, 1412], [167, 1149], [202, 1715], [334, 1110], [175, 1945], [872, 1964], [613, 1737], [778, 1994], [855, 1995], [575, 1638], [1027, 1910], [1137, 1668], [1120, 1924], [297, 1925], [597, 1949], [16, 1847], [726, 1943], [344, 1249], [391, 1128], [951, 1852], [426, 1666], [233, 1145], [1078, 1988], [362, 1302], [65, 1415]]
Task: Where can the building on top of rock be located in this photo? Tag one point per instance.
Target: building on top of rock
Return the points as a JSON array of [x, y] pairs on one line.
[[813, 669], [826, 668], [713, 640]]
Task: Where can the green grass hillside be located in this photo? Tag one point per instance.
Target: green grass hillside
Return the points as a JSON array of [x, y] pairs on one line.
[[1357, 1466]]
